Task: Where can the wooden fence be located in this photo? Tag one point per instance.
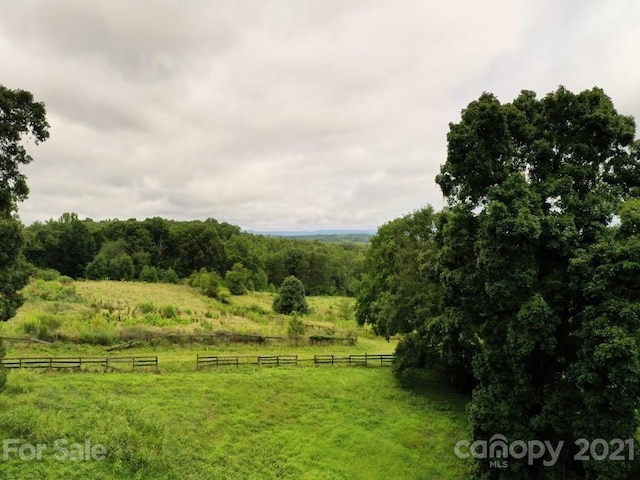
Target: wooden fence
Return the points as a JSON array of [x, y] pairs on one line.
[[115, 363], [364, 359], [360, 359], [76, 363]]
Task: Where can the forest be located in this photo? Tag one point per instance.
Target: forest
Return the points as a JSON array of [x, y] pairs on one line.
[[157, 249]]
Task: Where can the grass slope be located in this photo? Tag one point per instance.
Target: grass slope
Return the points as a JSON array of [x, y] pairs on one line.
[[300, 422], [268, 423]]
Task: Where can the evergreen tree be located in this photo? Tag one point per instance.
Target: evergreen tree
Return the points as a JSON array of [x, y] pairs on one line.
[[291, 297]]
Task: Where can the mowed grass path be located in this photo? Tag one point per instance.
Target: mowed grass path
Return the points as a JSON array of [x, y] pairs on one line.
[[247, 423]]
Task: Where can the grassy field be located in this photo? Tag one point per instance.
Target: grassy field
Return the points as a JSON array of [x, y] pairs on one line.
[[105, 313], [268, 423], [301, 422]]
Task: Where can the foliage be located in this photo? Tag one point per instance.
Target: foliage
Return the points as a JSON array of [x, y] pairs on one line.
[[291, 297], [525, 282], [179, 248], [121, 268], [149, 274], [395, 294], [98, 268], [20, 117], [237, 279], [345, 309], [200, 247], [65, 244], [169, 276], [207, 282], [168, 311], [295, 326]]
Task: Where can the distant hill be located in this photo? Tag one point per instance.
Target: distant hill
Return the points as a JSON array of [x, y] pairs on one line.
[[327, 236]]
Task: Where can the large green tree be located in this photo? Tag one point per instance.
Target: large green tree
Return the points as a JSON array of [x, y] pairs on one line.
[[533, 187], [20, 116]]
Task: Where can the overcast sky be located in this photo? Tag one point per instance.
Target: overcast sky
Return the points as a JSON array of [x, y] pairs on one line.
[[273, 115]]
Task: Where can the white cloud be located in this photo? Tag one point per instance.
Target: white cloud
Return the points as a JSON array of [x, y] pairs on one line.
[[283, 115]]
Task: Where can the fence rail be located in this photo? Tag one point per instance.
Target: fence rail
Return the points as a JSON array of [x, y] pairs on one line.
[[115, 363], [76, 363], [364, 359]]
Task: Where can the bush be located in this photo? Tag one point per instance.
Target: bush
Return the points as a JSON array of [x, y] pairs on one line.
[[345, 309], [98, 268], [237, 279], [146, 307], [295, 326], [149, 274], [168, 311], [47, 274], [207, 282], [99, 336], [169, 276], [121, 268], [52, 291], [291, 298], [30, 327]]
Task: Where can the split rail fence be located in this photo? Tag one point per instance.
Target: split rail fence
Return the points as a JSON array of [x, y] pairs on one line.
[[117, 363], [77, 363], [278, 360]]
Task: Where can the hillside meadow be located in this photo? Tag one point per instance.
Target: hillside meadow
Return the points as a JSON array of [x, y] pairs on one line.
[[248, 422]]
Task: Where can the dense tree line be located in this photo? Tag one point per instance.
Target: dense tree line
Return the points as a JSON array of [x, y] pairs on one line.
[[525, 289], [158, 249]]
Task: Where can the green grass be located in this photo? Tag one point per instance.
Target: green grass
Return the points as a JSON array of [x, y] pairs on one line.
[[262, 423], [302, 422], [106, 313]]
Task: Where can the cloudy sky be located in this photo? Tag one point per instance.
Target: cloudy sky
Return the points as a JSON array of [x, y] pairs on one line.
[[290, 114]]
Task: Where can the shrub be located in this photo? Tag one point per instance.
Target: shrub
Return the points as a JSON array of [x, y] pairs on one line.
[[121, 267], [169, 276], [47, 274], [237, 279], [146, 307], [99, 336], [30, 327], [295, 326], [291, 298], [168, 311], [149, 274], [98, 268], [207, 282], [345, 309]]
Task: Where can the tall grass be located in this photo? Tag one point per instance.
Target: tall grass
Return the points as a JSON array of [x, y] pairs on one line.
[[280, 423]]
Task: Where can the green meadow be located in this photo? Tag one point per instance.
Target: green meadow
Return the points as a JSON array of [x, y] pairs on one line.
[[247, 422]]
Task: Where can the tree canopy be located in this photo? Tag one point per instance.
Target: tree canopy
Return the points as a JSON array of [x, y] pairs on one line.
[[21, 117], [98, 249], [526, 260]]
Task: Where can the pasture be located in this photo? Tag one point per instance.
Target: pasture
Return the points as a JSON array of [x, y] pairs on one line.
[[258, 422]]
